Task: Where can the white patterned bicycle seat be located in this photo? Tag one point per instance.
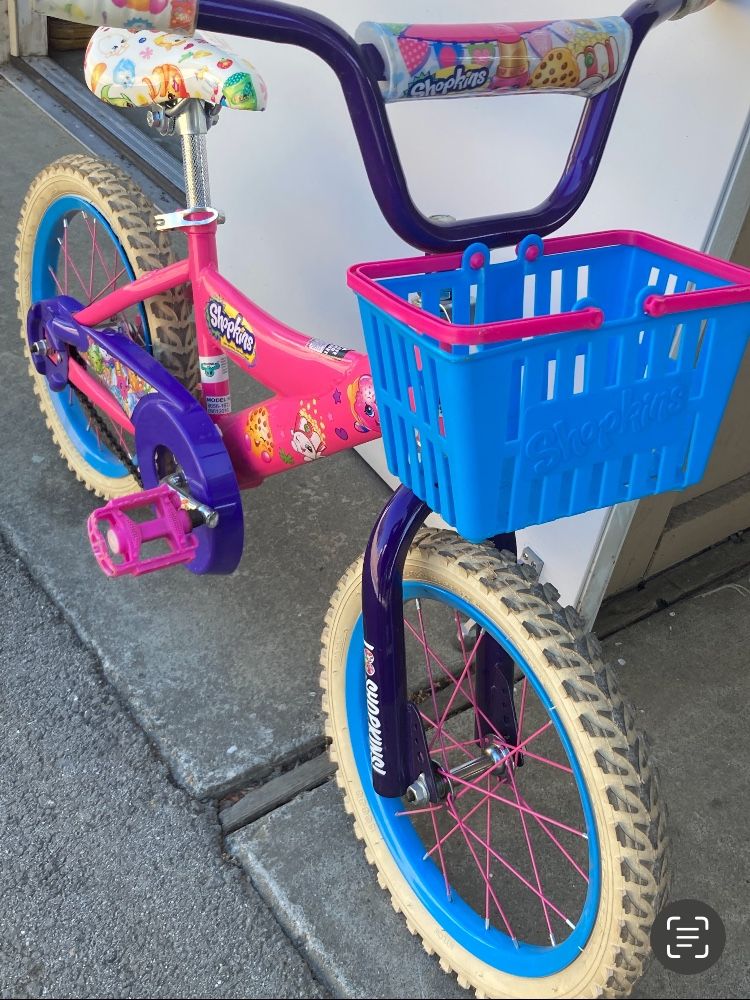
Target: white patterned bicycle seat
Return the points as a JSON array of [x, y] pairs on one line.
[[137, 67]]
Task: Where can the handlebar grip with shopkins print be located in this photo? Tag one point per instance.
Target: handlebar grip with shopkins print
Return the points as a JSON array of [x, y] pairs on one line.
[[471, 60]]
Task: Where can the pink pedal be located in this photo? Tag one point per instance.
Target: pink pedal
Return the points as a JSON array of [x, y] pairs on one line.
[[124, 537]]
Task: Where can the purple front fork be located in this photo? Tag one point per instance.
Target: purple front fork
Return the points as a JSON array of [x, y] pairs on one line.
[[385, 660], [395, 764]]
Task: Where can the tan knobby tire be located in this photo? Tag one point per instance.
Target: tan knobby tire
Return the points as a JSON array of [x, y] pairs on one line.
[[130, 214], [613, 756]]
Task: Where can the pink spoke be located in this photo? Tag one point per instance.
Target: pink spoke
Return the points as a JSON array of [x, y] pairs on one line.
[[420, 809], [546, 760], [464, 673], [456, 682], [487, 861], [110, 285], [557, 844], [438, 724], [64, 246], [449, 746], [121, 436], [440, 855], [514, 750], [474, 808], [565, 853], [54, 278], [100, 255], [446, 836], [471, 787], [467, 829], [69, 260], [524, 809], [513, 871], [463, 654], [535, 735], [537, 879], [455, 745], [91, 263], [521, 745], [447, 673], [431, 651], [461, 824], [459, 688], [519, 727]]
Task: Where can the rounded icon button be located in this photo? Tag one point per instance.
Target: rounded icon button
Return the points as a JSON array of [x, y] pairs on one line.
[[688, 936]]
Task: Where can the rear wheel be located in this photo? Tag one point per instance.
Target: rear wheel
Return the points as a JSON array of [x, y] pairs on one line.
[[539, 875], [85, 230]]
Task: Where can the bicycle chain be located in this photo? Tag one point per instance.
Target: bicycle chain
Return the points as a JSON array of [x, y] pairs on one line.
[[110, 440]]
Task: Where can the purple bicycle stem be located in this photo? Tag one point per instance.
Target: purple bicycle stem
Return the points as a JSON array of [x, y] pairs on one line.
[[287, 24]]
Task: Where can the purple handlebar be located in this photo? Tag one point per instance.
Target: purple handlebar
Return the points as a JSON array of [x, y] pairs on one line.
[[283, 23]]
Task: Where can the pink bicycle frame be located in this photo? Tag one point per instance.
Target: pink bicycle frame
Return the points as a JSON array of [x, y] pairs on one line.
[[324, 400]]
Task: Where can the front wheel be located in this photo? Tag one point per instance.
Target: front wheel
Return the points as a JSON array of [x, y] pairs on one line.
[[539, 874]]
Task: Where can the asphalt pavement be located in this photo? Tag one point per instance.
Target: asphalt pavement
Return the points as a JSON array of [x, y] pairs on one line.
[[114, 881]]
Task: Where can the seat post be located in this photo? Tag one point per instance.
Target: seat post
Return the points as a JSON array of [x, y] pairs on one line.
[[192, 124]]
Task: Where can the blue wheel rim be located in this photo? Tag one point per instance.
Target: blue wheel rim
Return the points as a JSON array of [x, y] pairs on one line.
[[45, 256], [457, 918]]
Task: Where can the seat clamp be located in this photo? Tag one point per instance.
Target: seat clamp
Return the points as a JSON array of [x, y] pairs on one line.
[[189, 217]]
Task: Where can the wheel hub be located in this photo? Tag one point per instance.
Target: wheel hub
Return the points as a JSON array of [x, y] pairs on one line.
[[494, 755]]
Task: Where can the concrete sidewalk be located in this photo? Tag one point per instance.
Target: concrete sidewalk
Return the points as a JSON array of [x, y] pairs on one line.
[[222, 706]]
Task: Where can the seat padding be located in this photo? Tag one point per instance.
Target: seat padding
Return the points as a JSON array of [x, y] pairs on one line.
[[135, 68]]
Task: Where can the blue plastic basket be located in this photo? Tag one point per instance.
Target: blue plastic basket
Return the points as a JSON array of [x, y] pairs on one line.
[[499, 423]]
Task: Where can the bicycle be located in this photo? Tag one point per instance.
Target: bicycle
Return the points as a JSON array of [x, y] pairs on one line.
[[588, 371]]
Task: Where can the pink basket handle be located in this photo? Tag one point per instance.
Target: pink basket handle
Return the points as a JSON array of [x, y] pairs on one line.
[[711, 298]]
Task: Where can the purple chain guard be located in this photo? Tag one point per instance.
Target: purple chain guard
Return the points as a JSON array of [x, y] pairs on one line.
[[168, 417]]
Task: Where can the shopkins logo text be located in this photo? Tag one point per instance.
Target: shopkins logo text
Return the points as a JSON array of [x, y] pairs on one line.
[[566, 442], [230, 329], [462, 80]]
